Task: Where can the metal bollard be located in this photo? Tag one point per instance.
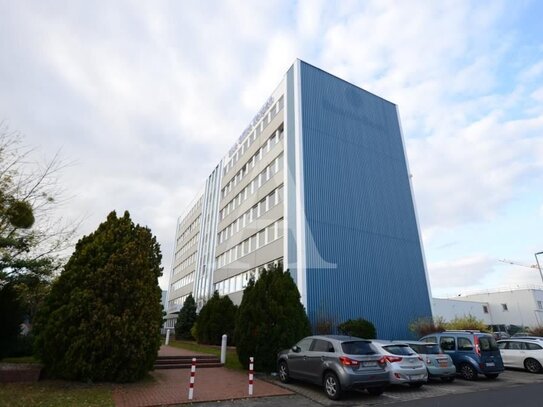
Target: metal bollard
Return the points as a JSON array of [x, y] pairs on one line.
[[223, 348], [251, 360], [192, 374], [167, 336]]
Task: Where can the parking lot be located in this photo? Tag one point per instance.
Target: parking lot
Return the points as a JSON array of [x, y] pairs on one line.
[[395, 394]]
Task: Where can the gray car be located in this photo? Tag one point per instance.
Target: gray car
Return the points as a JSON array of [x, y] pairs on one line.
[[338, 363], [438, 364]]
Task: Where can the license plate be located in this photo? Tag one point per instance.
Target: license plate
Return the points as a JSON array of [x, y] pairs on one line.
[[369, 364], [491, 364], [415, 377], [443, 364]]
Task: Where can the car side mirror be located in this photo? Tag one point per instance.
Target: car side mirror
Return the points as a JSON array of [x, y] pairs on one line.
[[296, 349]]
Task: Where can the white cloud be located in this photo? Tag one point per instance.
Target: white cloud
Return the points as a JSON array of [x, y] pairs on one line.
[[147, 98]]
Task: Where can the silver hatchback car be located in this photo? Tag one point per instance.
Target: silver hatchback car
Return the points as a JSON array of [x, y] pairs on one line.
[[338, 363], [438, 364], [404, 365]]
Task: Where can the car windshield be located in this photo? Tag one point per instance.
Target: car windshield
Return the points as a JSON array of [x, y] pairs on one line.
[[357, 348], [488, 343], [399, 349], [429, 349]]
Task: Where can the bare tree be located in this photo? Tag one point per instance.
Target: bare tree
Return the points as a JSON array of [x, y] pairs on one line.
[[33, 233]]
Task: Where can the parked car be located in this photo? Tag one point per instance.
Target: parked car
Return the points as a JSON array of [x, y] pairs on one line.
[[522, 353], [339, 363], [521, 335], [404, 365], [438, 364], [500, 335], [472, 352]]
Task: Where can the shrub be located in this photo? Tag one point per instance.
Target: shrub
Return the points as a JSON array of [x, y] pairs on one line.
[[358, 327], [467, 322], [102, 319], [11, 317], [186, 319], [216, 318], [270, 318], [536, 330], [427, 325]]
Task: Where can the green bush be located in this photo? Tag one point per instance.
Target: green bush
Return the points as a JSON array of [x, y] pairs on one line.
[[270, 318], [216, 318], [358, 327], [11, 318], [102, 318], [427, 325], [467, 322], [186, 319]]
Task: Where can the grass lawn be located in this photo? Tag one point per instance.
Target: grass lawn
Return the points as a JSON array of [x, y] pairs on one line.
[[52, 393], [232, 361], [22, 359]]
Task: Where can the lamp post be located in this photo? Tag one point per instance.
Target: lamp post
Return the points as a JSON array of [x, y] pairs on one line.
[[538, 265]]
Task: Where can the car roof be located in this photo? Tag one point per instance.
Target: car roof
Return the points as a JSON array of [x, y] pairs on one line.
[[340, 338], [410, 342], [522, 338]]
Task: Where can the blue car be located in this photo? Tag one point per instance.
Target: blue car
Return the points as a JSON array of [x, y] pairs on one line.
[[472, 352]]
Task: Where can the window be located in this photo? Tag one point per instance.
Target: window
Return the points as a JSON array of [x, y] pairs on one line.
[[447, 343], [485, 309], [532, 346], [464, 344], [320, 345], [399, 350], [504, 307], [304, 344], [540, 304], [357, 348], [430, 339]]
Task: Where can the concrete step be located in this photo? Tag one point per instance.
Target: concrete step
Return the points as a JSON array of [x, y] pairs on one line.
[[185, 362]]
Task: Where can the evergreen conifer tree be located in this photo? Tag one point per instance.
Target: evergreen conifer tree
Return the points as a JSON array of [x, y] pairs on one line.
[[102, 319], [270, 318], [186, 319], [216, 318]]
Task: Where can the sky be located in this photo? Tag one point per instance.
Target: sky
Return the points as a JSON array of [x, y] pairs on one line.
[[143, 99]]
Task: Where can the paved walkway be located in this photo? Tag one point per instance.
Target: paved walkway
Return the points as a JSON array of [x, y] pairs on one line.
[[171, 386]]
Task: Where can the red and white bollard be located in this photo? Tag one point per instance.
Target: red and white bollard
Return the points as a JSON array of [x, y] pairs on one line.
[[251, 360], [192, 374]]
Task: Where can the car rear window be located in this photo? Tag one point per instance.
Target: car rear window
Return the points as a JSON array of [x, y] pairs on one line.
[[357, 348], [430, 349], [488, 343], [399, 349]]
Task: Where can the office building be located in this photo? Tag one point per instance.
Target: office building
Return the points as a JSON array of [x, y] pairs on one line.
[[318, 183]]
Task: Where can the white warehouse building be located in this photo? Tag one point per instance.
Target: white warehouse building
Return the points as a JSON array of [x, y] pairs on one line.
[[522, 306]]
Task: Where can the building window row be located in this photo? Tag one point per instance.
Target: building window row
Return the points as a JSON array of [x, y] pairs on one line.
[[189, 229], [268, 172], [179, 301], [239, 282], [188, 279], [249, 245], [259, 128], [275, 138], [186, 263], [188, 246], [274, 198]]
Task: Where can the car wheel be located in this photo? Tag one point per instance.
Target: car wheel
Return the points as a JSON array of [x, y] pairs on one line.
[[417, 385], [332, 386], [492, 375], [283, 372], [468, 372], [447, 379], [532, 365], [376, 391]]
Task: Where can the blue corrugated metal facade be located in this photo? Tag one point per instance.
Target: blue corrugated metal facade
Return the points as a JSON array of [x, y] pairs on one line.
[[359, 209]]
